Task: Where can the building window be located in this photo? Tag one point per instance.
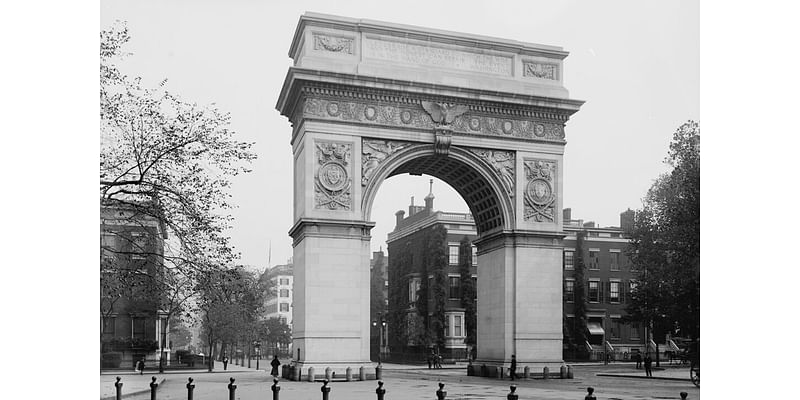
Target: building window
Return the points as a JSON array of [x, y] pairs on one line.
[[616, 327], [413, 290], [138, 328], [613, 292], [594, 262], [284, 293], [569, 290], [453, 253], [284, 307], [635, 331], [475, 286], [569, 259], [594, 291], [284, 281], [457, 326], [109, 325], [455, 287], [474, 255], [614, 261]]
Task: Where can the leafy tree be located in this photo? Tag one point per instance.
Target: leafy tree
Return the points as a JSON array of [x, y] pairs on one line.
[[580, 327], [377, 301], [179, 335], [665, 243], [274, 332], [169, 160], [436, 262], [467, 290]]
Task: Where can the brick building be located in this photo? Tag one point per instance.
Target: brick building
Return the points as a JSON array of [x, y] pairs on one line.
[[132, 325], [406, 244]]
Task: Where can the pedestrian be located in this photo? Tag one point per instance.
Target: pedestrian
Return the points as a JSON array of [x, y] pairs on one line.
[[430, 360], [512, 370], [225, 363], [638, 358], [140, 366], [648, 365], [439, 361], [275, 363]]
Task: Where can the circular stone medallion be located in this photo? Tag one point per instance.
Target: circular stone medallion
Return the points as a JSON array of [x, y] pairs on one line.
[[333, 109], [370, 113], [332, 176], [539, 191], [507, 126], [405, 116], [538, 130], [474, 124]]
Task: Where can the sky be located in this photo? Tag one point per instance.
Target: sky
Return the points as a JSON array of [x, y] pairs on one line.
[[636, 64]]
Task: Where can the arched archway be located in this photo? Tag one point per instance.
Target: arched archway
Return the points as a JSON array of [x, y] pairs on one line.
[[370, 100]]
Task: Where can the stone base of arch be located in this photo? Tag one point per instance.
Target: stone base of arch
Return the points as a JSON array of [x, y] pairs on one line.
[[519, 307]]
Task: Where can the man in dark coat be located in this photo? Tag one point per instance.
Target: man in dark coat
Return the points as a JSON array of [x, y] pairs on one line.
[[648, 365], [512, 370], [225, 363], [275, 364], [140, 366]]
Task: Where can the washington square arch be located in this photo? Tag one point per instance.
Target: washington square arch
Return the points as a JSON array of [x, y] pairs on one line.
[[368, 100]]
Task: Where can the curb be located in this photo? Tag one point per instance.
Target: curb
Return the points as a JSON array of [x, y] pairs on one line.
[[667, 378], [138, 392]]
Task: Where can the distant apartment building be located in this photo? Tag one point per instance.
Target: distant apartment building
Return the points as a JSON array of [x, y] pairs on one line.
[[132, 325], [409, 237], [279, 303]]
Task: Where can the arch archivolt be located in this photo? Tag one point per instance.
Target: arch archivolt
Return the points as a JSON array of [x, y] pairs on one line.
[[485, 178]]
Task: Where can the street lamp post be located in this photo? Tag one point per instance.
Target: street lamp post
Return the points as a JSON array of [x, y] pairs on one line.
[[257, 345]]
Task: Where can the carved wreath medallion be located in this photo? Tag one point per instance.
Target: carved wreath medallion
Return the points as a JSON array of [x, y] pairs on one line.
[[332, 181], [540, 197]]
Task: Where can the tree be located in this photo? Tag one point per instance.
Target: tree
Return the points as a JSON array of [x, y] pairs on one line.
[[579, 328], [436, 262], [665, 243], [167, 159], [467, 290]]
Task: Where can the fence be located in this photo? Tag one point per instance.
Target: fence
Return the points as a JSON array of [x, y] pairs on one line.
[[380, 392]]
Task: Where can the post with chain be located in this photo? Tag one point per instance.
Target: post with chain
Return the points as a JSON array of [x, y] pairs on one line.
[[441, 394], [590, 395], [153, 389], [380, 391], [512, 395], [118, 385], [190, 389], [324, 389], [232, 390], [684, 395], [275, 389]]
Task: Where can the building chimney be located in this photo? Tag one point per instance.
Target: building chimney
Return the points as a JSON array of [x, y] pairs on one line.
[[567, 214], [429, 199], [399, 217], [589, 224], [411, 207], [626, 220]]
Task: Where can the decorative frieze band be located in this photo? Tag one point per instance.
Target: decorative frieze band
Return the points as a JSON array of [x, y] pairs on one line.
[[413, 116], [540, 193], [332, 181]]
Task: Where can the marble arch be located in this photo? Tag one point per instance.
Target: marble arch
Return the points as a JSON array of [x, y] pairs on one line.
[[368, 100]]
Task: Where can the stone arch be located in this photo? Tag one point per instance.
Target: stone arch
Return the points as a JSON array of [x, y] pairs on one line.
[[479, 186]]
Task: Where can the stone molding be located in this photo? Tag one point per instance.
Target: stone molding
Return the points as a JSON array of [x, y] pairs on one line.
[[332, 180], [330, 228], [540, 193], [396, 111]]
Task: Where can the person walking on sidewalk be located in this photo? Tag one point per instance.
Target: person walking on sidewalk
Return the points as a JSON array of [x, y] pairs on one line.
[[512, 370], [648, 365], [275, 363], [140, 366], [225, 363]]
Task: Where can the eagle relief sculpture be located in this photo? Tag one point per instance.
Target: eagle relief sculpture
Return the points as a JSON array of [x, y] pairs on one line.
[[443, 115]]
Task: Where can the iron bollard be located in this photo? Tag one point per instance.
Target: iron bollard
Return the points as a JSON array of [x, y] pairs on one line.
[[275, 389], [526, 372], [380, 391], [232, 390], [190, 389], [311, 374], [441, 393], [684, 395], [378, 373], [546, 373], [328, 375], [324, 389], [349, 374], [512, 395], [118, 385], [362, 373], [590, 396], [153, 388], [570, 372], [563, 372]]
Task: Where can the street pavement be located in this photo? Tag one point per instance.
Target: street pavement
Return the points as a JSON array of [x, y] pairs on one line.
[[614, 381]]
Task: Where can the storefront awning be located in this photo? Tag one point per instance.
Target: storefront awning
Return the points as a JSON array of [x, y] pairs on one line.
[[595, 329]]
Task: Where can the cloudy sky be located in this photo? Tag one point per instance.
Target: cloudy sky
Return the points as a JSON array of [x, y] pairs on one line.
[[635, 63]]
